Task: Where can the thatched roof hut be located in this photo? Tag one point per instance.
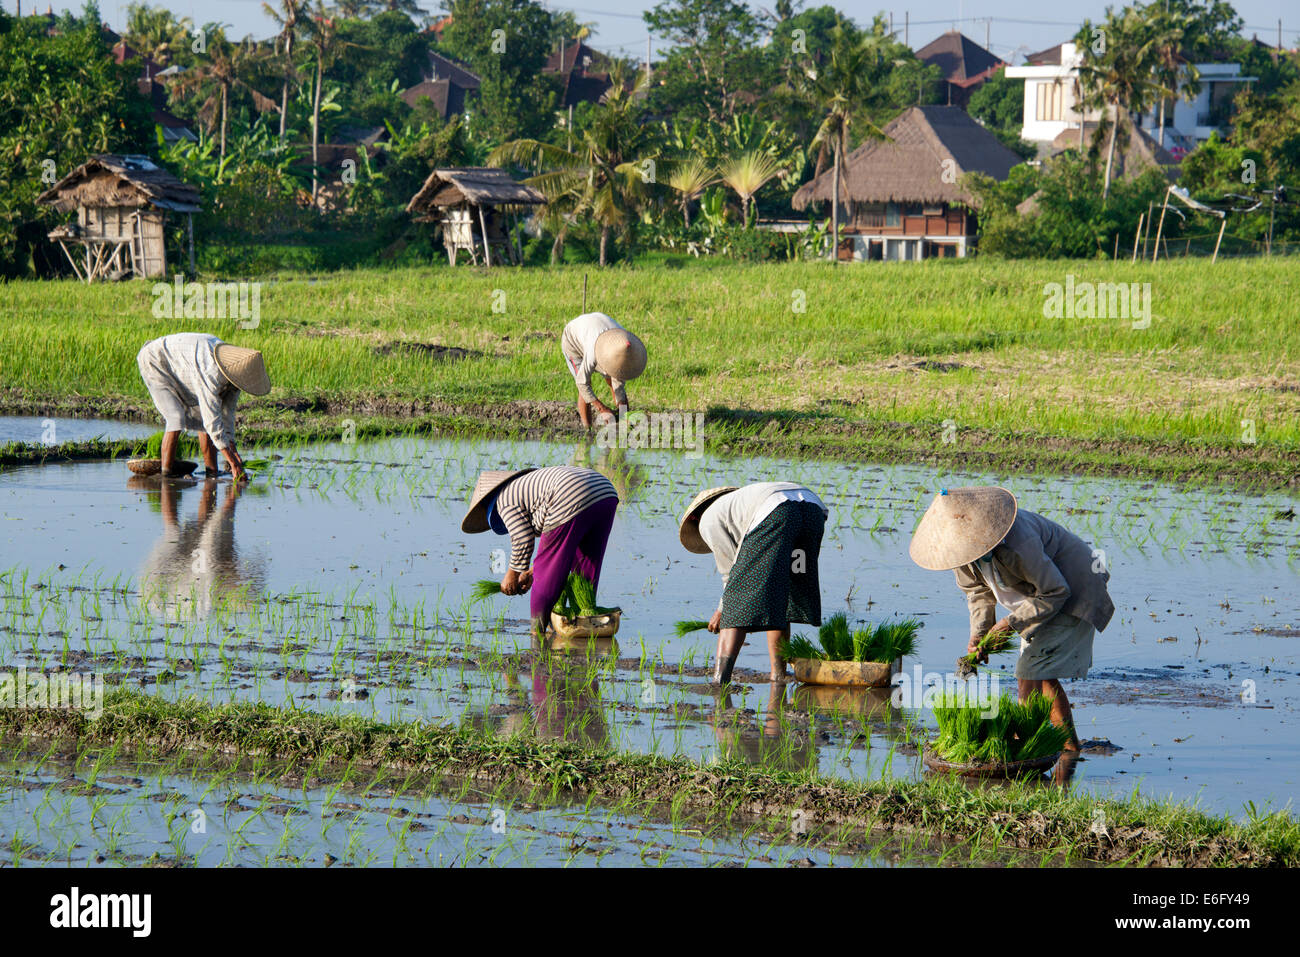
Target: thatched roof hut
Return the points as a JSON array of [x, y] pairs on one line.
[[922, 161], [122, 203], [110, 180], [458, 196]]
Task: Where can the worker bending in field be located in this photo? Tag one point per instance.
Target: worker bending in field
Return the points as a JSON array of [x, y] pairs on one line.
[[1051, 581], [195, 380], [594, 343], [765, 540], [570, 509]]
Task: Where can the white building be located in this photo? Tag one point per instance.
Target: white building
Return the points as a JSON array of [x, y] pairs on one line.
[[1052, 92]]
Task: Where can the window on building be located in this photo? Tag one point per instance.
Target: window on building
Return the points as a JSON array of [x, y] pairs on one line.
[[873, 214], [933, 209], [911, 209], [1049, 101], [891, 214]]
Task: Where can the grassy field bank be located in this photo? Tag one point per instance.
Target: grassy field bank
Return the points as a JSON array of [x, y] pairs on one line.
[[941, 362], [1026, 818]]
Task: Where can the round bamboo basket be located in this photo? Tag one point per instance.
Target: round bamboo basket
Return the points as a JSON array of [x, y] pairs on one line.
[[154, 466], [589, 626], [846, 674], [1012, 769]]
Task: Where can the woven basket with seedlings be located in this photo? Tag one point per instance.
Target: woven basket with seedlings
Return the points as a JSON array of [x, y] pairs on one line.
[[576, 614], [997, 735], [154, 466], [866, 657]]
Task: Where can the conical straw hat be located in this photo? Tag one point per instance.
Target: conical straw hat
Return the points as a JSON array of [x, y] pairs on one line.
[[689, 532], [244, 368], [961, 525], [475, 519], [620, 355]]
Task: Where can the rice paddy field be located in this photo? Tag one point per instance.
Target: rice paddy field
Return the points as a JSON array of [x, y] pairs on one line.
[[943, 362], [299, 672], [333, 596]]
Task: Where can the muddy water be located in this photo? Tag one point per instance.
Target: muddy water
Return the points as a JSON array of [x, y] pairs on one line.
[[53, 431], [339, 582]]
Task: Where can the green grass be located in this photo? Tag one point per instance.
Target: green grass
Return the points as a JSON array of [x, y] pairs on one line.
[[958, 356], [883, 642], [1054, 821]]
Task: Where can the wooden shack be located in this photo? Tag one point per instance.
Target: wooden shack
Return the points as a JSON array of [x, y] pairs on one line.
[[471, 206], [122, 203]]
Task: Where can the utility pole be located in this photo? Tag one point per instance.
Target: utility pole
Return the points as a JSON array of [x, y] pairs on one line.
[[647, 56], [907, 16], [988, 29]]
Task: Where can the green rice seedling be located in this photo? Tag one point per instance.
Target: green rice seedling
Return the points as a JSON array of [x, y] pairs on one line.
[[989, 644], [485, 588], [1015, 732], [186, 446], [684, 628], [884, 642], [799, 646], [578, 599]]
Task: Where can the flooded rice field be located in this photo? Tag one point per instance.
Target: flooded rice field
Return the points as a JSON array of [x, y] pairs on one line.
[[340, 581], [37, 430]]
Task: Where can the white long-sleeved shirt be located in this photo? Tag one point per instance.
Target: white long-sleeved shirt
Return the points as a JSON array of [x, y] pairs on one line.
[[188, 388], [727, 521], [579, 347]]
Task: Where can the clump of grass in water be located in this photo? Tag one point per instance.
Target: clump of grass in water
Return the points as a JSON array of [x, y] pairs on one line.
[[1016, 732], [884, 642]]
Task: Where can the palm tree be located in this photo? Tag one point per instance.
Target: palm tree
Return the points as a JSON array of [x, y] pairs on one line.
[[221, 75], [840, 87], [1119, 79], [323, 37], [604, 174], [154, 33], [747, 174], [690, 179], [1172, 29], [288, 18]]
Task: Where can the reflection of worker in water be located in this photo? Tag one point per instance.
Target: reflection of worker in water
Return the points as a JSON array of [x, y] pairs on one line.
[[568, 707], [765, 539], [776, 743], [594, 344], [613, 463], [195, 380], [1052, 582], [194, 564]]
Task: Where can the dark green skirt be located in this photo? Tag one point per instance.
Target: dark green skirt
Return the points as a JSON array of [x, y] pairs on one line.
[[774, 581]]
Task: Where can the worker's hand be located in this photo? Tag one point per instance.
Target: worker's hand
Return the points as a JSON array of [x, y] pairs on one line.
[[602, 411], [715, 623], [525, 581], [973, 646], [236, 464], [510, 584], [1001, 627]]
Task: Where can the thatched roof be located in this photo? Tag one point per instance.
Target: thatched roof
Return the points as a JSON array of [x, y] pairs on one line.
[[480, 185], [111, 180], [1135, 157], [910, 167]]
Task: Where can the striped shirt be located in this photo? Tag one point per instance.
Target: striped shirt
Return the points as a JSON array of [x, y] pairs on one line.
[[533, 504]]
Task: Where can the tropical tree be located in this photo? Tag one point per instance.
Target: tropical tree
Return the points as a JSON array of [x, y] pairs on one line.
[[322, 32], [747, 174], [1117, 73], [690, 178], [288, 18], [221, 72], [607, 172], [840, 86], [154, 32], [1172, 29]]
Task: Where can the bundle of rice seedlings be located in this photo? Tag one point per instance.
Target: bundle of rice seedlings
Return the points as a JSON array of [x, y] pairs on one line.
[[578, 599], [186, 446], [836, 639], [684, 628], [891, 640], [485, 588], [1016, 732], [798, 646], [989, 644]]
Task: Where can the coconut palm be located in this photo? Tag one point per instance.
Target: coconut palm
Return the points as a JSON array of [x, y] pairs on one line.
[[288, 18], [321, 29], [154, 32], [1172, 29], [1120, 78], [606, 173], [221, 73], [690, 178], [840, 86], [747, 174]]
